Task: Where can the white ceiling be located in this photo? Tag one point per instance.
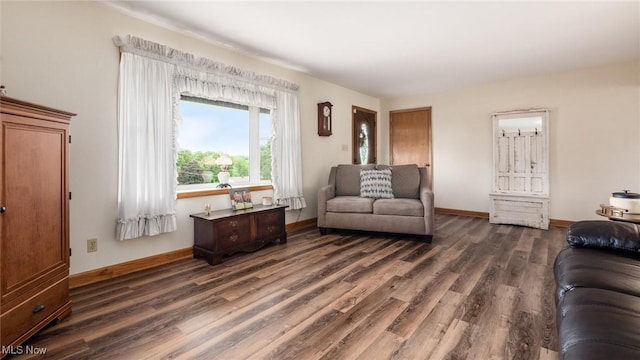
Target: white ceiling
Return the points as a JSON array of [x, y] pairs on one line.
[[391, 49]]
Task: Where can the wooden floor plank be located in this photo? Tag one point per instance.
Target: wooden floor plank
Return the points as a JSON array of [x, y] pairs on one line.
[[479, 290], [422, 304], [363, 335], [450, 340], [489, 340], [383, 347], [326, 338], [430, 332], [524, 337]]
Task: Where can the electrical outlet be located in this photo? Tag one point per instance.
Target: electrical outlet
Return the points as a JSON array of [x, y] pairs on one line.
[[92, 245]]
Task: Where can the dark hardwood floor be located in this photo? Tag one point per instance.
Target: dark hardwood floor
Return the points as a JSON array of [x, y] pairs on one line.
[[479, 291]]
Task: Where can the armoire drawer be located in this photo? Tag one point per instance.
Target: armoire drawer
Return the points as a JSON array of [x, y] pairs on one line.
[[34, 310]]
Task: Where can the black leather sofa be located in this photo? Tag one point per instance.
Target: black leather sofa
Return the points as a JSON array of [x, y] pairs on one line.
[[598, 291]]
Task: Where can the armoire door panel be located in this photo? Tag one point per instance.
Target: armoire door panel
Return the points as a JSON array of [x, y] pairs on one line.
[[503, 165], [503, 183], [34, 185], [520, 164], [519, 183], [537, 185]]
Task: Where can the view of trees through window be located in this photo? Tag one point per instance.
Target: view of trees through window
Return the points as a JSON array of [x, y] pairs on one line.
[[211, 129]]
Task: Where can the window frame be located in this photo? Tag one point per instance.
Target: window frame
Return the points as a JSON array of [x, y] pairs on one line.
[[254, 183]]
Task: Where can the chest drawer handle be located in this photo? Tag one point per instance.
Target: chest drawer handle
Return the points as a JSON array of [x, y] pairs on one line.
[[233, 223], [38, 308], [233, 237]]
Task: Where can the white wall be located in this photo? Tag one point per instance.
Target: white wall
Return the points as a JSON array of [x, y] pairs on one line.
[[594, 136], [61, 54]]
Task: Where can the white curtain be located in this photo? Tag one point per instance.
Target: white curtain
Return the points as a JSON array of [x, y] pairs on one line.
[[146, 148], [286, 151], [152, 78]]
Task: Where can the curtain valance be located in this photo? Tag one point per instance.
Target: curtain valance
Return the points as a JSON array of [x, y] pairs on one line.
[[214, 87], [164, 53]]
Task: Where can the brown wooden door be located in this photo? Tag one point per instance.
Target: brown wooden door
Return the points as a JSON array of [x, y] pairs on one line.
[[410, 138]]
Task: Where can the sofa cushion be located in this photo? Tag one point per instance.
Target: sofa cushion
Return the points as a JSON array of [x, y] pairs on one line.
[[614, 235], [348, 179], [599, 324], [350, 204], [405, 181], [402, 207], [376, 184], [594, 268]]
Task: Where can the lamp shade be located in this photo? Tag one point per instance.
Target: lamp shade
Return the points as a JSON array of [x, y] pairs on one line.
[[223, 161]]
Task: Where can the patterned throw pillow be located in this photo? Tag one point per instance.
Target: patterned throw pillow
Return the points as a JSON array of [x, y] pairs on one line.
[[376, 184]]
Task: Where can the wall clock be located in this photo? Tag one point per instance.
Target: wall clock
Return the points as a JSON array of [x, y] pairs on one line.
[[324, 118]]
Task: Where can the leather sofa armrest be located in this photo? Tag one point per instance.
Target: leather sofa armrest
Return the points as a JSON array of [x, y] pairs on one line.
[[614, 235], [325, 193]]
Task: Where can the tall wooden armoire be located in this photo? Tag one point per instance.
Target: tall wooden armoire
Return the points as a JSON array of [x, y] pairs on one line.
[[34, 219]]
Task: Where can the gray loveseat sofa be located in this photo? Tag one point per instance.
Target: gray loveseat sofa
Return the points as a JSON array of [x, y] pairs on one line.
[[410, 211]]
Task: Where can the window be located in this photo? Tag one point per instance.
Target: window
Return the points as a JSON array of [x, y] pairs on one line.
[[211, 129]]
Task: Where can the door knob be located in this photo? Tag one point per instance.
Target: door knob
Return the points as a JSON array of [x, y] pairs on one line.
[[3, 210]]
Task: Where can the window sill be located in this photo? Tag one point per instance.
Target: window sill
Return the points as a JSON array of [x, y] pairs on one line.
[[209, 192]]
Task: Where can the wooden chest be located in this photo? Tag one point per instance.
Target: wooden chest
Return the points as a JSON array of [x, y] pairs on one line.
[[225, 232]]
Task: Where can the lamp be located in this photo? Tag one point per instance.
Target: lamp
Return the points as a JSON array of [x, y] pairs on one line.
[[223, 176]]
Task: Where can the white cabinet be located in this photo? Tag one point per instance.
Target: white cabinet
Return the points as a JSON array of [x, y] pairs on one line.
[[520, 193]]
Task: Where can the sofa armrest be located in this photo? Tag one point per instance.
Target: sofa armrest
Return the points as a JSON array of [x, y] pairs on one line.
[[325, 194], [613, 235], [426, 198]]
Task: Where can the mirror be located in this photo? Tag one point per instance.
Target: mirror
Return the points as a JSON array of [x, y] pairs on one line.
[[522, 124]]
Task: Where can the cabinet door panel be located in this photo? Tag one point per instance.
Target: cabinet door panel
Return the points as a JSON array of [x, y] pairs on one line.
[[270, 224], [34, 194]]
